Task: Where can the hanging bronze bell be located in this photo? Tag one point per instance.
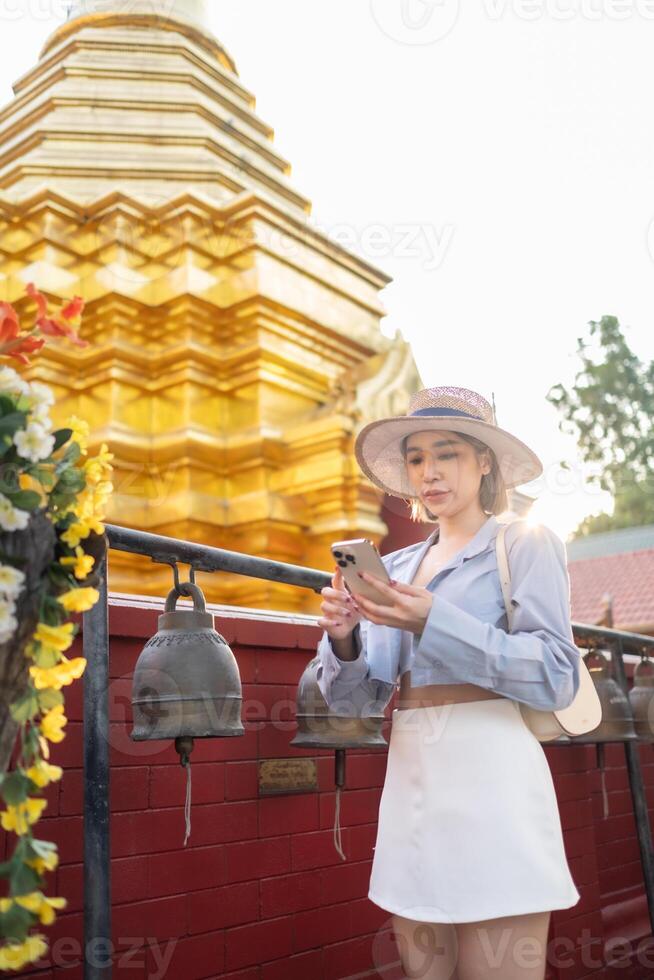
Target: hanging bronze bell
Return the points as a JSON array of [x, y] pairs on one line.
[[186, 681], [320, 727], [641, 699], [617, 724]]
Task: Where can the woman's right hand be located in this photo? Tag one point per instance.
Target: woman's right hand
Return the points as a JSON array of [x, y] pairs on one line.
[[340, 613]]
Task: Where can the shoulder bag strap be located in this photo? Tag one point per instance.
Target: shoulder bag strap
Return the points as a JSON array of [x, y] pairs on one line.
[[505, 574]]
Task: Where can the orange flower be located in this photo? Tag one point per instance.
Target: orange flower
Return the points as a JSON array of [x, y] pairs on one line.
[[12, 343], [9, 325], [61, 325], [28, 345]]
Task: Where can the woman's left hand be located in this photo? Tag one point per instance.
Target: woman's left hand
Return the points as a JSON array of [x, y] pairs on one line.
[[409, 611]]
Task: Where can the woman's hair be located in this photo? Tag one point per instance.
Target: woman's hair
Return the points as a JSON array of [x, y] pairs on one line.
[[493, 496]]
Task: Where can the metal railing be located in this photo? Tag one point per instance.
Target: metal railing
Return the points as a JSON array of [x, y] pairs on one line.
[[97, 858]]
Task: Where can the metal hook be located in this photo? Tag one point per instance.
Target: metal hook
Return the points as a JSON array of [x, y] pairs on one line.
[[182, 588]]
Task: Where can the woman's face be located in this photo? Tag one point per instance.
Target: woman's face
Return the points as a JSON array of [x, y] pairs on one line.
[[440, 460]]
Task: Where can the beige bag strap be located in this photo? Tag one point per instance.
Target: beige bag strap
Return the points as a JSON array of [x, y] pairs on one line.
[[505, 574], [585, 712]]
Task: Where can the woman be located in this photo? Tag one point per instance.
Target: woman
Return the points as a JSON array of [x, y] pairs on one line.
[[469, 856]]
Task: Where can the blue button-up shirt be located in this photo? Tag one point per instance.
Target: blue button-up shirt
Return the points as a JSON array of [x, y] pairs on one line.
[[465, 638]]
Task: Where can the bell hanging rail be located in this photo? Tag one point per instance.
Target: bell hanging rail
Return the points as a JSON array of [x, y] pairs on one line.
[[200, 557]]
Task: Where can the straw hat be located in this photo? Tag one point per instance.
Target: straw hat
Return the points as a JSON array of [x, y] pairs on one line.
[[378, 445]]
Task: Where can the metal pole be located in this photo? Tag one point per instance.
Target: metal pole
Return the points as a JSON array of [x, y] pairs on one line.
[[97, 856], [639, 800], [205, 558]]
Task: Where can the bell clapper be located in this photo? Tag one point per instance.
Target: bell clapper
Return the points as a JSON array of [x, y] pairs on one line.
[[184, 746], [339, 779]]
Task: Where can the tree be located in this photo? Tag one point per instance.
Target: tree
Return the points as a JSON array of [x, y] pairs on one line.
[[610, 411]]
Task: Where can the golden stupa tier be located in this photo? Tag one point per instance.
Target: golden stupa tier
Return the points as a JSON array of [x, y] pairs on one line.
[[140, 101], [235, 350]]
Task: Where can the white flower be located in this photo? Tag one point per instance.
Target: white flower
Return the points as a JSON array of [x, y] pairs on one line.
[[39, 415], [41, 395], [11, 581], [8, 621], [34, 442], [12, 518], [11, 382]]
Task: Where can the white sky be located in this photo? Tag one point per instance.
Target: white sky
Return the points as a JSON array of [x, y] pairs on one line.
[[496, 159]]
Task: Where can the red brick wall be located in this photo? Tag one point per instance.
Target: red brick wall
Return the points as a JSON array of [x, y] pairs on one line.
[[260, 893]]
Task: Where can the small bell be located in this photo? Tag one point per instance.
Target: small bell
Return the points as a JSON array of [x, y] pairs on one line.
[[617, 724], [641, 699], [186, 682], [321, 727]]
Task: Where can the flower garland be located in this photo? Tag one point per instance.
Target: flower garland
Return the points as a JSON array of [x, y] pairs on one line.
[[55, 477]]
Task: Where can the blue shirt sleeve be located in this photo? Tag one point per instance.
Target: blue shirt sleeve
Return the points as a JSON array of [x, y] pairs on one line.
[[538, 662], [345, 684]]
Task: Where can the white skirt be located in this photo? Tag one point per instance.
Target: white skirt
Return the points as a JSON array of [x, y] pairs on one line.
[[469, 826]]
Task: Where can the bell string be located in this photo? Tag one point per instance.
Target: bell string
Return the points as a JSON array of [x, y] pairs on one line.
[[337, 824], [187, 802], [605, 796]]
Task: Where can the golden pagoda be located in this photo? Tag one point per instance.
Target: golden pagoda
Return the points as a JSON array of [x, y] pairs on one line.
[[235, 349]]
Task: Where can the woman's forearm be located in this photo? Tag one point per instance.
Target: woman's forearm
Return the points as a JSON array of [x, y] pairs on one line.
[[345, 648]]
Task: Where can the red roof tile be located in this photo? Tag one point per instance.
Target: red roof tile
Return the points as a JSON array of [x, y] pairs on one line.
[[627, 577]]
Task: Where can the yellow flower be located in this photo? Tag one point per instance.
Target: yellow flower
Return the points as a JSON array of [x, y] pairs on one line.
[[79, 600], [13, 956], [81, 529], [60, 675], [48, 863], [59, 637], [5, 905], [42, 773], [53, 722], [104, 457], [82, 563], [40, 905], [45, 748], [81, 431], [18, 818]]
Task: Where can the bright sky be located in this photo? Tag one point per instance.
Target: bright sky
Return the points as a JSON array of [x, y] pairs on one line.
[[495, 159]]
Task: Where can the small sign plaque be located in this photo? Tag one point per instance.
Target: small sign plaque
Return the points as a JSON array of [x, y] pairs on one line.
[[277, 776]]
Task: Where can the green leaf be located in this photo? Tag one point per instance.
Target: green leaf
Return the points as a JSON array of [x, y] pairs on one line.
[[7, 405], [49, 698], [15, 923], [26, 707], [15, 788], [9, 424], [7, 867], [61, 436], [44, 475], [45, 656], [40, 848], [72, 479], [25, 499], [23, 403], [70, 457], [24, 880]]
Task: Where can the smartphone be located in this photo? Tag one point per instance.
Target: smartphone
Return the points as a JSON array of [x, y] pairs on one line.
[[361, 555]]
